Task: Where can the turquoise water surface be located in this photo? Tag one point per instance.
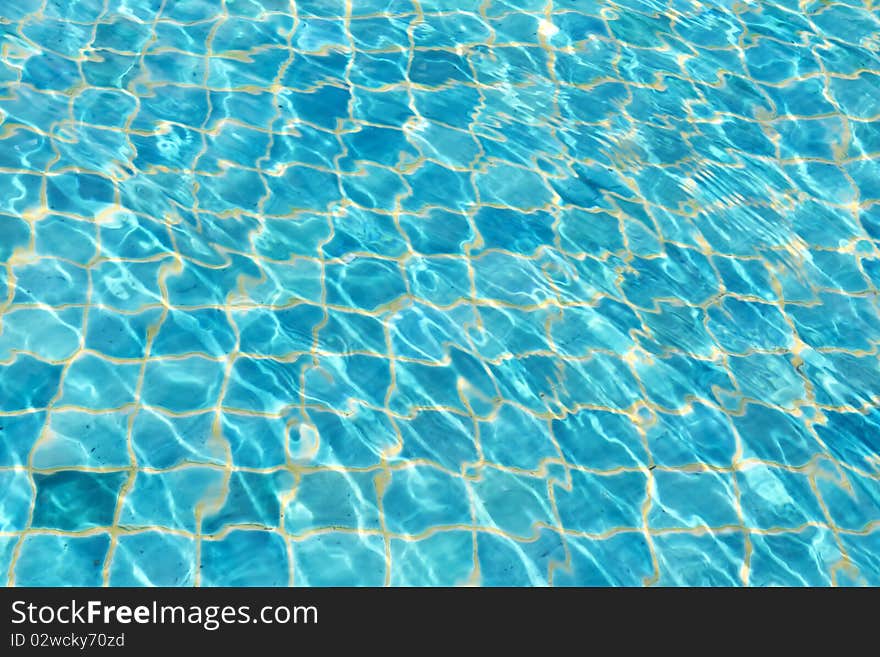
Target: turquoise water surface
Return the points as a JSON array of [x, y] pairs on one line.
[[436, 292]]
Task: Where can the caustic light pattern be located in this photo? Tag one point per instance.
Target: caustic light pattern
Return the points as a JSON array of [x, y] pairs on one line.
[[439, 292]]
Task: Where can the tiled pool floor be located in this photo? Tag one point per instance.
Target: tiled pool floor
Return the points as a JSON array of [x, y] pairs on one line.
[[439, 292]]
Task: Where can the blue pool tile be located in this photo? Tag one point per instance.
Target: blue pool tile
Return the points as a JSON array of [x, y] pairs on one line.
[[189, 384], [360, 231], [7, 549], [433, 182], [840, 271], [517, 439], [680, 327], [681, 274], [80, 560], [853, 503], [871, 268], [504, 562], [606, 96], [50, 281], [239, 31], [266, 333], [822, 181], [439, 281], [161, 107], [515, 504], [313, 107], [739, 326], [834, 388], [772, 435], [641, 239], [47, 334], [121, 34], [822, 226], [442, 559], [692, 499], [596, 233], [16, 501], [360, 438], [196, 285], [254, 441], [78, 439], [103, 107], [172, 499], [16, 234], [251, 499], [852, 94], [365, 284], [619, 560], [309, 146], [21, 10], [423, 386], [700, 560], [316, 69], [333, 499], [838, 321], [803, 559], [870, 219], [51, 72], [59, 236], [669, 382], [851, 437], [120, 336], [421, 331], [571, 339], [381, 145], [774, 498], [768, 377], [475, 385], [160, 440], [343, 331], [702, 435], [205, 332], [454, 146], [603, 380], [44, 114], [280, 239], [601, 503], [510, 279], [234, 144], [334, 381], [441, 437], [524, 233], [338, 559], [599, 440], [18, 434], [382, 107], [21, 192], [84, 194], [72, 501], [504, 332], [376, 31], [153, 559], [229, 561], [441, 499], [174, 146], [129, 236], [127, 286], [864, 549]]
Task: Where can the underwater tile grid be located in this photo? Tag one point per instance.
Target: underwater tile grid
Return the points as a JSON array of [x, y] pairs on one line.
[[439, 292]]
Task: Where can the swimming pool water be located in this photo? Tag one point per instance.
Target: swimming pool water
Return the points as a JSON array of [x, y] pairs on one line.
[[439, 292]]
